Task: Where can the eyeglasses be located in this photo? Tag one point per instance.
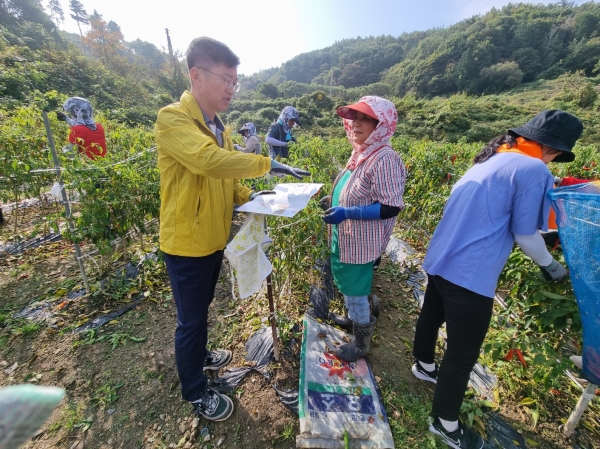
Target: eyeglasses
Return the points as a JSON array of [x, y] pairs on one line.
[[229, 83]]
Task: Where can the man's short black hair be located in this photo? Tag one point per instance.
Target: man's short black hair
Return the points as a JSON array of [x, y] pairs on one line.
[[206, 52]]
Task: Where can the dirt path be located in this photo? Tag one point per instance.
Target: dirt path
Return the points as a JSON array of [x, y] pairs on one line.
[[122, 389]]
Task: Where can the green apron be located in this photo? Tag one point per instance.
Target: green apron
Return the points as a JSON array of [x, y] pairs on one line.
[[352, 279]]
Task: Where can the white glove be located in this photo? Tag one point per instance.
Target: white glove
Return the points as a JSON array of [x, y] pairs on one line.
[[553, 272]]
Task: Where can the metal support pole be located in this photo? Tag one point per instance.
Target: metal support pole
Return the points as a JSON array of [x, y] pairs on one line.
[[65, 200], [272, 319], [585, 398], [272, 308]]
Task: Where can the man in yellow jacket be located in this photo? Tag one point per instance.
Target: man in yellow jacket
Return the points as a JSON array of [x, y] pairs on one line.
[[199, 183]]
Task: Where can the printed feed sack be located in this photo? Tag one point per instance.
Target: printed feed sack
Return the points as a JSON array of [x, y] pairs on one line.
[[337, 396]]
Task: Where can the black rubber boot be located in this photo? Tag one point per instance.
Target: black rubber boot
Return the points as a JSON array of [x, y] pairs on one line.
[[360, 346], [376, 263], [342, 321], [346, 323], [374, 303]]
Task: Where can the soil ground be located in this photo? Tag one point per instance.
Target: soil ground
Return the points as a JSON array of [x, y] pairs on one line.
[[122, 389]]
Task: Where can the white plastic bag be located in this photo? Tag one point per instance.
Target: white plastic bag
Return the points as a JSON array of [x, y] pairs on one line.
[[247, 257], [55, 192]]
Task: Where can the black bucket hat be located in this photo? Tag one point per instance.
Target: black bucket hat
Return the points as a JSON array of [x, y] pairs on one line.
[[557, 129]]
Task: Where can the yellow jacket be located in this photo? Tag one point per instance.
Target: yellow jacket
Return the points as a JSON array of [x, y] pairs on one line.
[[197, 180]]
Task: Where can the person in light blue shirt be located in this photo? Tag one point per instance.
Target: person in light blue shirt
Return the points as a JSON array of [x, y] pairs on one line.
[[489, 205], [501, 200]]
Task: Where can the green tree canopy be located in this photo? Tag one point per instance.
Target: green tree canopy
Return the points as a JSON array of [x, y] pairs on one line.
[[269, 90], [78, 14]]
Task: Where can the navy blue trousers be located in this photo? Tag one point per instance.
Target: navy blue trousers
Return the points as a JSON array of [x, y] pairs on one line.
[[467, 315], [193, 280]]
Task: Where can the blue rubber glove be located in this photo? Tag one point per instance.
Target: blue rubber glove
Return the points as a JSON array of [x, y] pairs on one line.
[[279, 169], [334, 215], [337, 214]]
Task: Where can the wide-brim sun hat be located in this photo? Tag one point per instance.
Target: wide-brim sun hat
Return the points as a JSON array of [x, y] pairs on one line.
[[554, 128], [347, 112]]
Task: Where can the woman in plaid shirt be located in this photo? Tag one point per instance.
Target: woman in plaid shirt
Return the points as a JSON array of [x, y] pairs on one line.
[[366, 199]]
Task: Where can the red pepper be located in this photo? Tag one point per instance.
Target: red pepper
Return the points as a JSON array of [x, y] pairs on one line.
[[453, 159], [510, 355], [521, 359], [555, 391]]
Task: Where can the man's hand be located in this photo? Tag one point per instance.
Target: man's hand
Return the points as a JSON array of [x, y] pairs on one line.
[[325, 202], [553, 272], [262, 192], [61, 116], [279, 169]]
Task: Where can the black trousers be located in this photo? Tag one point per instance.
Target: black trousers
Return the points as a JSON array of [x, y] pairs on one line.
[[279, 151], [193, 280], [467, 316]]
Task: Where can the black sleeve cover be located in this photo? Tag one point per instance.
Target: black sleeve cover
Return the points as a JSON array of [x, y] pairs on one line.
[[389, 211]]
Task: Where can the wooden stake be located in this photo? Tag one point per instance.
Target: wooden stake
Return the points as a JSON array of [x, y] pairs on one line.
[[272, 318]]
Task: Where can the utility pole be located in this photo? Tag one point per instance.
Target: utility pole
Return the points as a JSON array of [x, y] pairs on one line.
[[331, 82], [170, 47], [176, 69]]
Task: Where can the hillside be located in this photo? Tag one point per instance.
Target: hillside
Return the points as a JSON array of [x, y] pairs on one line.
[[498, 51], [434, 76], [129, 80], [483, 54]]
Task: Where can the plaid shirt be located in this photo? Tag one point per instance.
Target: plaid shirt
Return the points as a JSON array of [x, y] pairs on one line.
[[379, 179]]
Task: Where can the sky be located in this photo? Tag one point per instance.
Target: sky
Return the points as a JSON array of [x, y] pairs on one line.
[[267, 33]]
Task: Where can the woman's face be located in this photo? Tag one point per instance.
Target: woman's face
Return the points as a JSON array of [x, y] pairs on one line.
[[291, 123], [362, 127], [549, 154]]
